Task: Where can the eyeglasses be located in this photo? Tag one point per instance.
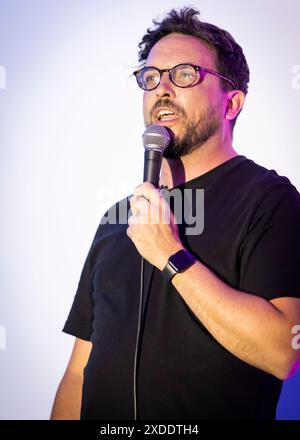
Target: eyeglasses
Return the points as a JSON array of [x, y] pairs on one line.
[[182, 75]]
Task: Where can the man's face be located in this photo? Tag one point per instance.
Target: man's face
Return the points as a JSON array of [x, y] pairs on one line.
[[198, 111]]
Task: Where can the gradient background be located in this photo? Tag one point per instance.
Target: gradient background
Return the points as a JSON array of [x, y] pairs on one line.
[[70, 140]]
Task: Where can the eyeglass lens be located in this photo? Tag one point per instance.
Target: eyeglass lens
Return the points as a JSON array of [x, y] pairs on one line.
[[183, 76]]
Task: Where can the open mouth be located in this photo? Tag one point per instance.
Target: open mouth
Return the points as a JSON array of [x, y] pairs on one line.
[[164, 115]]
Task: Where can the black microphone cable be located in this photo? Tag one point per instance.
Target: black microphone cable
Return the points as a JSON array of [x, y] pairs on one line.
[[138, 337]]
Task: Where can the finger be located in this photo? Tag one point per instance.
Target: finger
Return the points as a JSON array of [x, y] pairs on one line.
[[148, 191], [139, 203], [134, 208], [134, 220], [148, 212]]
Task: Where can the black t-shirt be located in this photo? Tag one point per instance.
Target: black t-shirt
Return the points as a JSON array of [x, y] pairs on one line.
[[251, 240]]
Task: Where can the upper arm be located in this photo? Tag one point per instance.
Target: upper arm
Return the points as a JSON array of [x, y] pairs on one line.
[[289, 307], [270, 251], [79, 357]]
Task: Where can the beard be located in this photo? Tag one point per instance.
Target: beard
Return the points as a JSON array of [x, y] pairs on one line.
[[195, 135]]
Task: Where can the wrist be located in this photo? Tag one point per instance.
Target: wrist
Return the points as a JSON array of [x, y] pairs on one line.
[[168, 253], [178, 262]]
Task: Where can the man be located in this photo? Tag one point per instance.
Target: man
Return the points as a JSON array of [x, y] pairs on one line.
[[215, 340]]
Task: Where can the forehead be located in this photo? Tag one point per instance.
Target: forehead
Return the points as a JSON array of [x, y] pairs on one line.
[[178, 49]]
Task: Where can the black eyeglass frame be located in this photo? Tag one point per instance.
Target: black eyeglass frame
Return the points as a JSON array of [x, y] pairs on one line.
[[201, 70]]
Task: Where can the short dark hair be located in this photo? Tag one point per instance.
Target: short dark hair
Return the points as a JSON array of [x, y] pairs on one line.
[[230, 59]]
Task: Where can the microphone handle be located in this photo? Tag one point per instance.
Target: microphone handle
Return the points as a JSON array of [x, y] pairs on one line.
[[152, 165]]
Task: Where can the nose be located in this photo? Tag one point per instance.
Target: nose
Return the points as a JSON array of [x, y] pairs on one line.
[[166, 87]]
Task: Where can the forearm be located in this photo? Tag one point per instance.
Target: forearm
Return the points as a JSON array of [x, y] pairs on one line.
[[248, 326], [67, 403]]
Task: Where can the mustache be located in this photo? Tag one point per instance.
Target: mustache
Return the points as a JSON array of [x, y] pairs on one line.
[[170, 104]]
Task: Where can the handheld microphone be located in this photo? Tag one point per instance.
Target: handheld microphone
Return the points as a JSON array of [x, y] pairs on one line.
[[156, 139]]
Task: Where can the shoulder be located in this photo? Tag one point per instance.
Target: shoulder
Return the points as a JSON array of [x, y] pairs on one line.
[[262, 178], [111, 229], [261, 184], [115, 219], [270, 196]]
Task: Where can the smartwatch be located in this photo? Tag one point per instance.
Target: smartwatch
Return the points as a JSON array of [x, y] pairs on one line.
[[178, 263]]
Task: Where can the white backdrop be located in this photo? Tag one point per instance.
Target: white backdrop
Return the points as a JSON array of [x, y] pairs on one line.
[[70, 141]]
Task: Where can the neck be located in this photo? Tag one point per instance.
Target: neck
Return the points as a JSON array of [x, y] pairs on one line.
[[174, 172]]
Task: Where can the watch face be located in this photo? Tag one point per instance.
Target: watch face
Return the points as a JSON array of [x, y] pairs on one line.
[[181, 260]]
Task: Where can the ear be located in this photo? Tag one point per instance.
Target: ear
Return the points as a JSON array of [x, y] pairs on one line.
[[235, 103]]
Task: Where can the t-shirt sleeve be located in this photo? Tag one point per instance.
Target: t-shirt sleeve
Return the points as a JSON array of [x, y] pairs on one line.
[[270, 253], [80, 319]]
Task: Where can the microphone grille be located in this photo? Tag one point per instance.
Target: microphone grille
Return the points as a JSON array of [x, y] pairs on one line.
[[156, 137]]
